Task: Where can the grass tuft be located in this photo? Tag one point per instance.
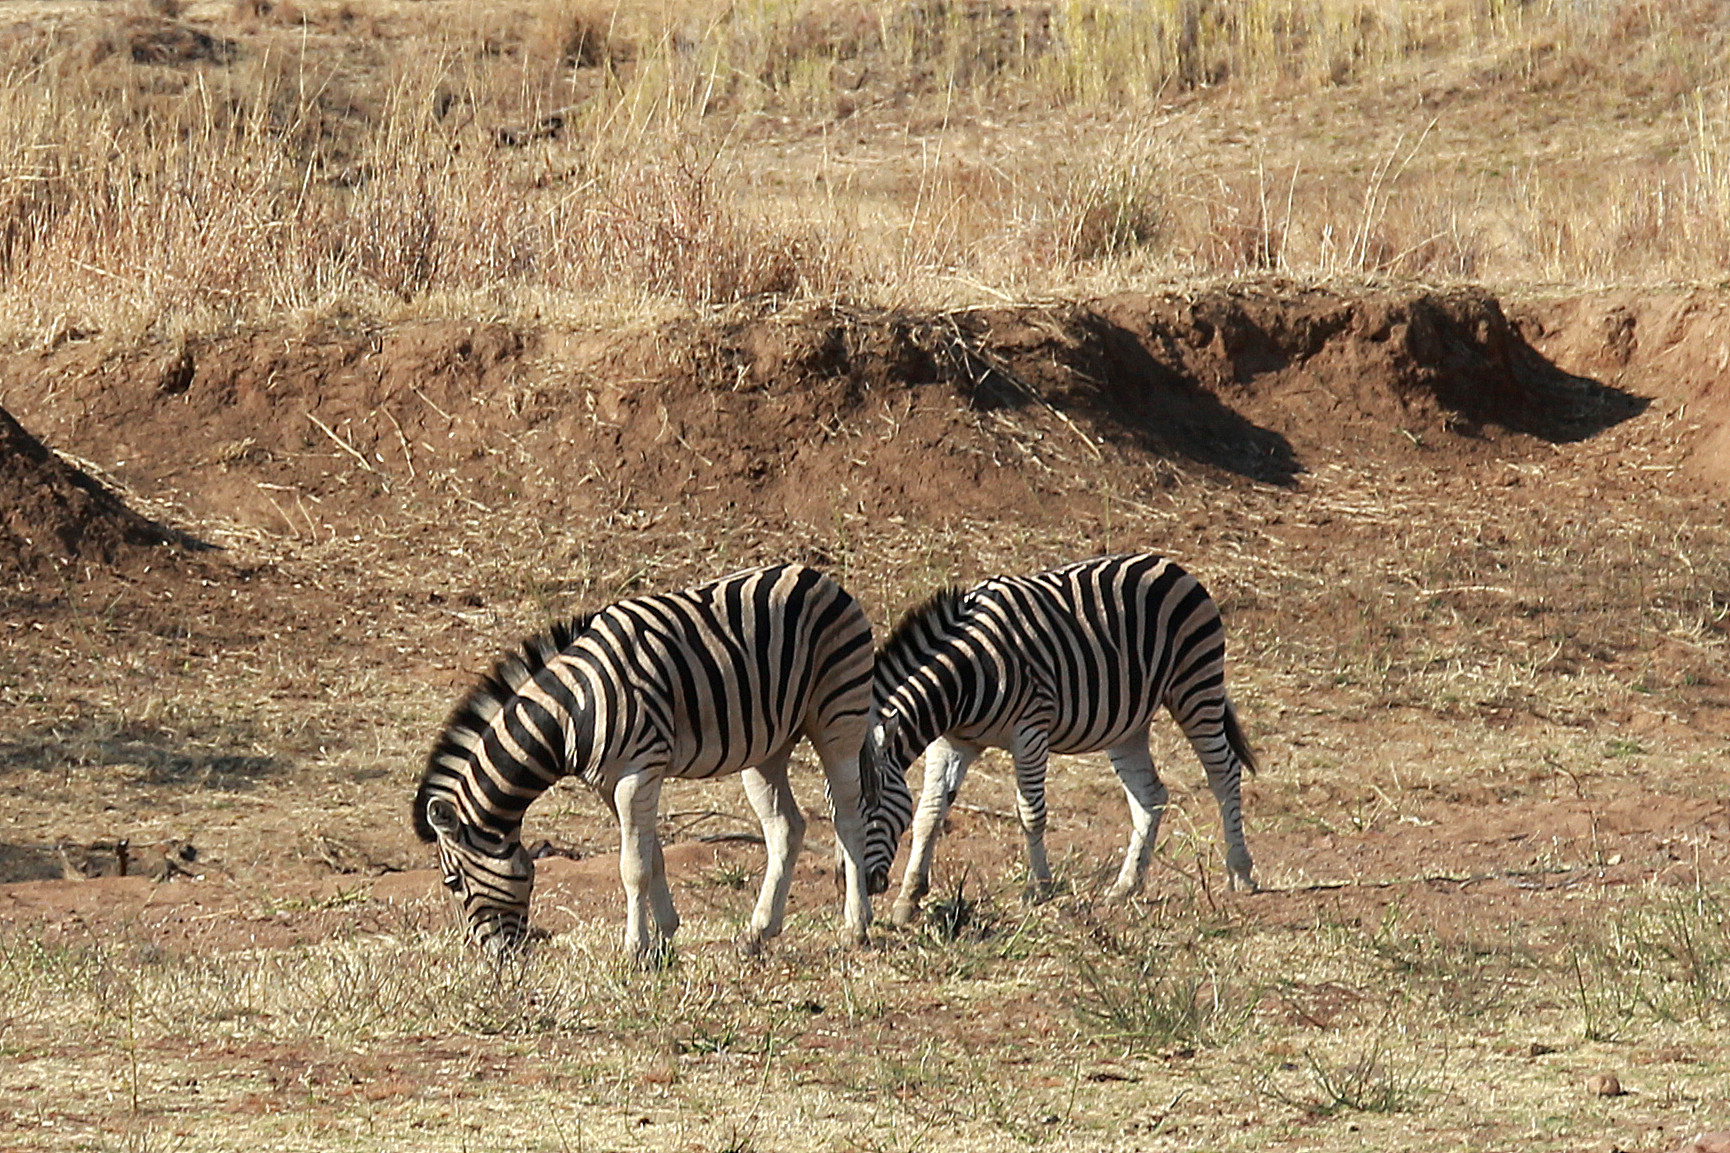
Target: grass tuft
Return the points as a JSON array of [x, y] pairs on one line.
[[1146, 995], [1372, 1081]]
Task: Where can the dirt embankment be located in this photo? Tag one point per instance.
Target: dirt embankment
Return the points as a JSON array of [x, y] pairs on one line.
[[810, 413], [54, 515], [1673, 344], [1011, 415]]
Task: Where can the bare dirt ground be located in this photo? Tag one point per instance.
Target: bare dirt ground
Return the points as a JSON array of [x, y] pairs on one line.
[[1476, 590]]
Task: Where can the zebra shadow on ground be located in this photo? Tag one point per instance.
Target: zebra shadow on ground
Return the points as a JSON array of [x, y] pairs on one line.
[[21, 862], [67, 860]]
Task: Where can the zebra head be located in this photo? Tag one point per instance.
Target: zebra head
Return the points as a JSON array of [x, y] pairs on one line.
[[888, 803], [473, 792], [489, 878], [901, 707]]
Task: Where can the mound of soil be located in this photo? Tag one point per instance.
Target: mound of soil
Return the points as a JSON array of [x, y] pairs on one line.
[[1312, 365], [53, 515], [810, 414]]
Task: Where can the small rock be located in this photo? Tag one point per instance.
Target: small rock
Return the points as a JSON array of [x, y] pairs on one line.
[[1538, 1049], [1603, 1085], [1715, 1142]]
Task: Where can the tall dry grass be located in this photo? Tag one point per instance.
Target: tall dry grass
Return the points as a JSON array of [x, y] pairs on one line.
[[206, 168], [288, 180]]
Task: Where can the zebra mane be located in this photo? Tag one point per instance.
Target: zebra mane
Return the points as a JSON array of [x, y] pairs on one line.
[[469, 720], [937, 615]]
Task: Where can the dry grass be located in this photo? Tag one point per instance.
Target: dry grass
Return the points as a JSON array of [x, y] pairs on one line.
[[1188, 1027], [538, 159]]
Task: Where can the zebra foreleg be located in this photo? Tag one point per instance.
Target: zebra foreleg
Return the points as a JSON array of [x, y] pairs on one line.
[[661, 897], [1147, 799], [783, 833], [1031, 751], [945, 768], [636, 798], [841, 771]]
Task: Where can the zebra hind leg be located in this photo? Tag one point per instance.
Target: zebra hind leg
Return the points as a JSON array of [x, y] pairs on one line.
[[1147, 798], [771, 796], [1031, 752], [946, 766], [1224, 753]]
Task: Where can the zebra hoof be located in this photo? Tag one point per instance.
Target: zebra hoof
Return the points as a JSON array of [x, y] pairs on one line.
[[904, 913], [750, 944], [1121, 894], [1039, 892], [1240, 868]]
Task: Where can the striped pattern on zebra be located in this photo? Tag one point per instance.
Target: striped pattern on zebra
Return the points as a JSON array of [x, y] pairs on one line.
[[1073, 660], [722, 678]]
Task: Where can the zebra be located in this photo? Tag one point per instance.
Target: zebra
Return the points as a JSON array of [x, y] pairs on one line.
[[1073, 660], [721, 678]]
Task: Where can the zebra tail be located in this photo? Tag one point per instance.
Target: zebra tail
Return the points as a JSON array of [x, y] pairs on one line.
[[1238, 742]]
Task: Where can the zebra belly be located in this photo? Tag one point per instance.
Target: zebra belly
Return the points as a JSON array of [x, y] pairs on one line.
[[1067, 737], [1075, 739], [737, 761]]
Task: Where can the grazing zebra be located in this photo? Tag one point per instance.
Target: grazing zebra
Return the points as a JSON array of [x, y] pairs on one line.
[[1073, 660], [722, 678]]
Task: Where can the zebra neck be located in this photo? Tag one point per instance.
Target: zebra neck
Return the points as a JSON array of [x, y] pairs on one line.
[[925, 710], [526, 750]]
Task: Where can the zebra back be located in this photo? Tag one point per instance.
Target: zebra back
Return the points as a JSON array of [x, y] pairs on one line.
[[707, 680], [1104, 643]]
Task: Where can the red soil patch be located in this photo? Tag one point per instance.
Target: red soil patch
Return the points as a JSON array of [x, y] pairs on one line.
[[1467, 863], [1013, 414]]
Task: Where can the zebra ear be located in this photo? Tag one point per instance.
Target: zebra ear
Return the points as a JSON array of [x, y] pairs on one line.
[[443, 817], [888, 731]]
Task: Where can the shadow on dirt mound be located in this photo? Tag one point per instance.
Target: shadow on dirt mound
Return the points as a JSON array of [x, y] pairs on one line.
[[1157, 408], [52, 514], [1251, 381], [1566, 408]]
